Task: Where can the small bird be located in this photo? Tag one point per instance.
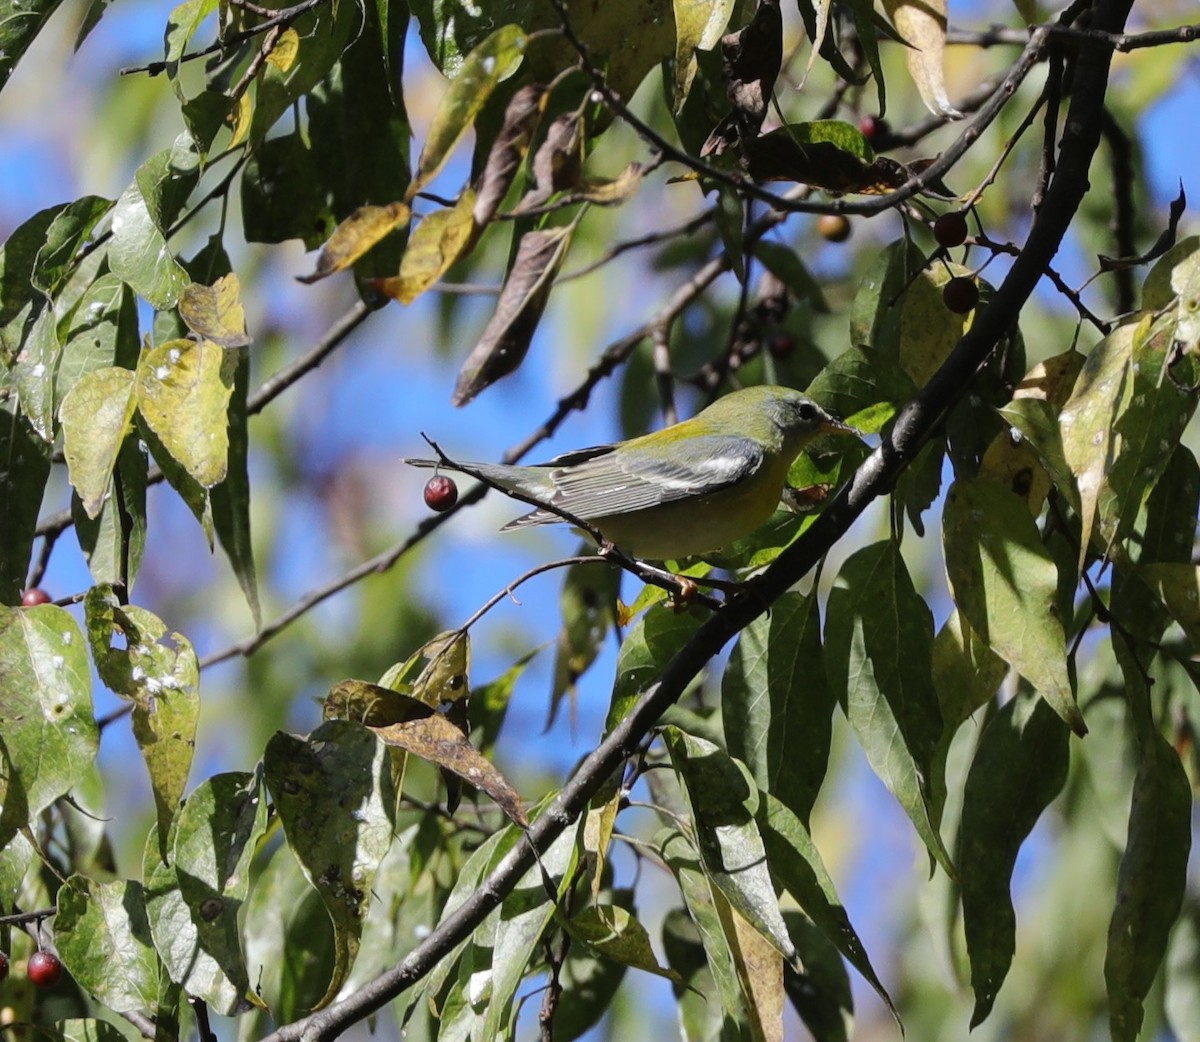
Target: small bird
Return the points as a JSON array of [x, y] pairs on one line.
[[690, 488]]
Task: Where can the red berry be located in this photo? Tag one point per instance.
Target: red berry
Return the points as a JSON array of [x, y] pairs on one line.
[[3, 966], [781, 345], [874, 127], [950, 230], [33, 596], [45, 969], [440, 493], [834, 227], [960, 295]]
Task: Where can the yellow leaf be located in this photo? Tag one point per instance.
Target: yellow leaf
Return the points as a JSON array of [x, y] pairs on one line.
[[283, 54], [436, 243], [215, 312], [922, 24], [356, 235]]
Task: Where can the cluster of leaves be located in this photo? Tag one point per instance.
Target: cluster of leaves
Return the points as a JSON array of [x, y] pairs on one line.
[[268, 893]]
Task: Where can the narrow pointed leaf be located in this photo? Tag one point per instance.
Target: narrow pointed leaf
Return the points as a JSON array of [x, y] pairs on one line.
[[878, 654]]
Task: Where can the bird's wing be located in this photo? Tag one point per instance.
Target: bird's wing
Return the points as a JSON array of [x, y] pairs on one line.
[[607, 480]]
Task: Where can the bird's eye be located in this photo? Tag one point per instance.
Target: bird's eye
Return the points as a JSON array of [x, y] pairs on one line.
[[807, 412]]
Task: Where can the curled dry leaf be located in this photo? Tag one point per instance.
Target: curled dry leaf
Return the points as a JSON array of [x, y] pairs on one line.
[[215, 312], [509, 150], [505, 341]]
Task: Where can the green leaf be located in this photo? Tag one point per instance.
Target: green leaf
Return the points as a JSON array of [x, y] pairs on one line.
[[723, 801], [616, 934], [103, 936], [319, 36], [698, 26], [113, 543], [878, 653], [231, 497], [651, 642], [282, 195], [68, 232], [785, 264], [159, 671], [966, 671], [863, 387], [490, 63], [102, 331], [183, 393], [48, 736], [1019, 767], [1151, 883], [81, 1030], [797, 866], [22, 484], [821, 993], [138, 252], [33, 373], [215, 312], [699, 895], [96, 416], [20, 22], [289, 938], [878, 302], [334, 794], [193, 901], [776, 705], [1005, 583]]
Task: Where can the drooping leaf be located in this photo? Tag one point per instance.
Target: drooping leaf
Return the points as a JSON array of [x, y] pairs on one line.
[[878, 657], [587, 606], [698, 26], [20, 23], [617, 934], [752, 58], [71, 228], [785, 264], [966, 671], [797, 866], [114, 541], [183, 393], [193, 902], [48, 735], [508, 151], [139, 659], [1151, 883], [776, 705], [360, 231], [1019, 767], [433, 245], [1005, 583], [723, 801], [103, 936], [923, 27], [96, 416], [334, 794], [489, 64], [138, 252], [505, 340], [821, 992], [649, 644], [22, 484]]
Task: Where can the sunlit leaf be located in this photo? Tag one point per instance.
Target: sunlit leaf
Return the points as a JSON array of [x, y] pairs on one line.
[[617, 934], [48, 736], [878, 654], [333, 792], [923, 26], [103, 937], [490, 63], [215, 312], [433, 245], [1005, 583], [698, 26], [650, 643], [183, 392], [96, 416], [360, 231]]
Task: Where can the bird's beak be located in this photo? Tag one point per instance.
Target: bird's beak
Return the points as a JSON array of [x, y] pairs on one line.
[[832, 426]]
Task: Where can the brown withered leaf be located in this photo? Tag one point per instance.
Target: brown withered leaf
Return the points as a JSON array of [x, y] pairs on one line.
[[215, 312], [557, 162], [439, 741], [611, 193], [1163, 243], [416, 727], [752, 58], [505, 341], [355, 235], [508, 152]]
